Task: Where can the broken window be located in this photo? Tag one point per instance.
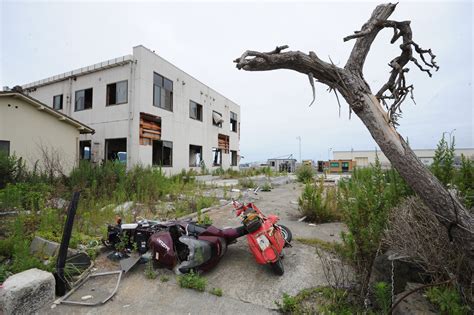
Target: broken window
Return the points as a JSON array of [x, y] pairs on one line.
[[233, 158], [216, 157], [117, 93], [5, 146], [233, 122], [116, 150], [150, 128], [195, 110], [85, 150], [223, 142], [162, 92], [58, 102], [217, 119], [195, 155], [83, 99], [162, 153]]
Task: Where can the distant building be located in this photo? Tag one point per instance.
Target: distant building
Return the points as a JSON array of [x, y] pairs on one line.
[[282, 165], [36, 132], [366, 158], [146, 111]]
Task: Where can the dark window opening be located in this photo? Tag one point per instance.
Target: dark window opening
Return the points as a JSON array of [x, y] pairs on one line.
[[195, 110], [233, 122], [162, 92], [83, 99], [233, 158], [58, 102], [162, 153], [5, 146], [272, 163], [117, 93], [116, 150], [85, 150], [217, 119], [195, 155], [216, 157]]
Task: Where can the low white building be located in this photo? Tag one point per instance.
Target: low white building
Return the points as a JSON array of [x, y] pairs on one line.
[[146, 111], [40, 135], [365, 158]]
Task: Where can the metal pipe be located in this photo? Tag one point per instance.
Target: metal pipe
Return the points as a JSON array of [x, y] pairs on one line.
[[61, 283]]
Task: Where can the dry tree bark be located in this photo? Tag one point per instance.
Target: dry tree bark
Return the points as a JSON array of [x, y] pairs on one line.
[[381, 123]]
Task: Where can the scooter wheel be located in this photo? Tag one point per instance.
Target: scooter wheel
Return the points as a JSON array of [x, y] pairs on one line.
[[277, 267], [286, 233]]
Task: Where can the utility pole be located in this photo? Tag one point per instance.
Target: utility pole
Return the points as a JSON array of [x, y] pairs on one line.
[[299, 139]]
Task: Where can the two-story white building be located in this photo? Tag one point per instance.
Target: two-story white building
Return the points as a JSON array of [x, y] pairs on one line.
[[146, 111]]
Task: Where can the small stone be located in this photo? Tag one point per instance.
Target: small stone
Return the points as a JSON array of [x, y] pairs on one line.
[[86, 297]]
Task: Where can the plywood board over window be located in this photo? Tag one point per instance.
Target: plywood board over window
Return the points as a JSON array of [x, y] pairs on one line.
[[150, 128], [223, 143]]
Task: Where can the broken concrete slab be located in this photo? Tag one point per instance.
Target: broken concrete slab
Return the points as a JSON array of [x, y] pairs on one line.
[[124, 207], [43, 248], [26, 292]]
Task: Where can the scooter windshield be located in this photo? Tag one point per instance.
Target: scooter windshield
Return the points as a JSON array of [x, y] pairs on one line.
[[199, 252]]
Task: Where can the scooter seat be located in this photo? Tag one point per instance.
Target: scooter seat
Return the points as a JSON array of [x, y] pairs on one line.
[[193, 229]]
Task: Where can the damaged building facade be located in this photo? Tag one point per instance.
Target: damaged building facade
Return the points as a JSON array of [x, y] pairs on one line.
[[146, 111]]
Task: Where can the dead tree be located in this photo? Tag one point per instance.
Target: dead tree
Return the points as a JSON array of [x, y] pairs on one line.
[[381, 123]]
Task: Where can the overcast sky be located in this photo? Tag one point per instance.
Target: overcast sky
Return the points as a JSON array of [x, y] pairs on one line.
[[41, 39]]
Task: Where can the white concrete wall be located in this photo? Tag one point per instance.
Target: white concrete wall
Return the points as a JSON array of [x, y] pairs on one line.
[[122, 121], [29, 129]]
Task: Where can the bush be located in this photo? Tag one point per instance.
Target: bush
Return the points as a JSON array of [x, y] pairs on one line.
[[305, 173], [192, 281], [12, 169], [317, 204], [246, 183], [383, 296], [365, 200], [25, 196], [216, 291], [150, 272], [448, 300], [465, 181]]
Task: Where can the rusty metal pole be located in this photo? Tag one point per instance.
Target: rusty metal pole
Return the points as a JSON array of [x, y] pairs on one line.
[[61, 283]]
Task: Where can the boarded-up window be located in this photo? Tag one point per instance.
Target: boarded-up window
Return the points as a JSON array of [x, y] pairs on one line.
[[223, 143], [150, 128]]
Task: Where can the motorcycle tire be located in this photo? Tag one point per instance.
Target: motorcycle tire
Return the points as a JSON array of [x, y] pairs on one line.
[[286, 233], [277, 267]]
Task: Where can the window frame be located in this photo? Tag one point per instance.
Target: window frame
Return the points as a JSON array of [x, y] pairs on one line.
[[7, 143], [218, 151], [162, 151], [107, 98], [199, 110], [61, 101], [160, 81], [201, 160], [213, 123], [232, 152], [233, 121], [92, 99]]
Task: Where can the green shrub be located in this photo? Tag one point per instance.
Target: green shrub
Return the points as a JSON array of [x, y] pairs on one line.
[[383, 296], [247, 183], [25, 196], [164, 278], [305, 173], [465, 181], [216, 291], [365, 200], [267, 186], [443, 162], [192, 281], [448, 300], [150, 272], [289, 304], [317, 204], [12, 169]]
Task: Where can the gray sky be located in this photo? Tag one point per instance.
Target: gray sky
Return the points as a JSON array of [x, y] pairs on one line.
[[41, 39]]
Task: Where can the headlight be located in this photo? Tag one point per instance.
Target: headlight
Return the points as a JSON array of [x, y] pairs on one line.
[[263, 242]]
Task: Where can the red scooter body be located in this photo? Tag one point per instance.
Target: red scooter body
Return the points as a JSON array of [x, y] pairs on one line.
[[266, 242]]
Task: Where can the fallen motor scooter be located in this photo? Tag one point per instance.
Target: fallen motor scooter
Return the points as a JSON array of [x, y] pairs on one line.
[[182, 246], [266, 238]]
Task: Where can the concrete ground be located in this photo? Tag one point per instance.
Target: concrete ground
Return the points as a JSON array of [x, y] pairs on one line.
[[247, 287]]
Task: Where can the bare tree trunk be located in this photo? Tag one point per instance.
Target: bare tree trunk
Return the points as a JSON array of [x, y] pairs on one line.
[[349, 81]]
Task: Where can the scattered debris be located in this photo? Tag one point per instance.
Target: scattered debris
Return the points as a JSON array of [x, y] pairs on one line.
[[293, 202], [235, 190], [302, 219], [312, 224], [86, 297], [124, 207]]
